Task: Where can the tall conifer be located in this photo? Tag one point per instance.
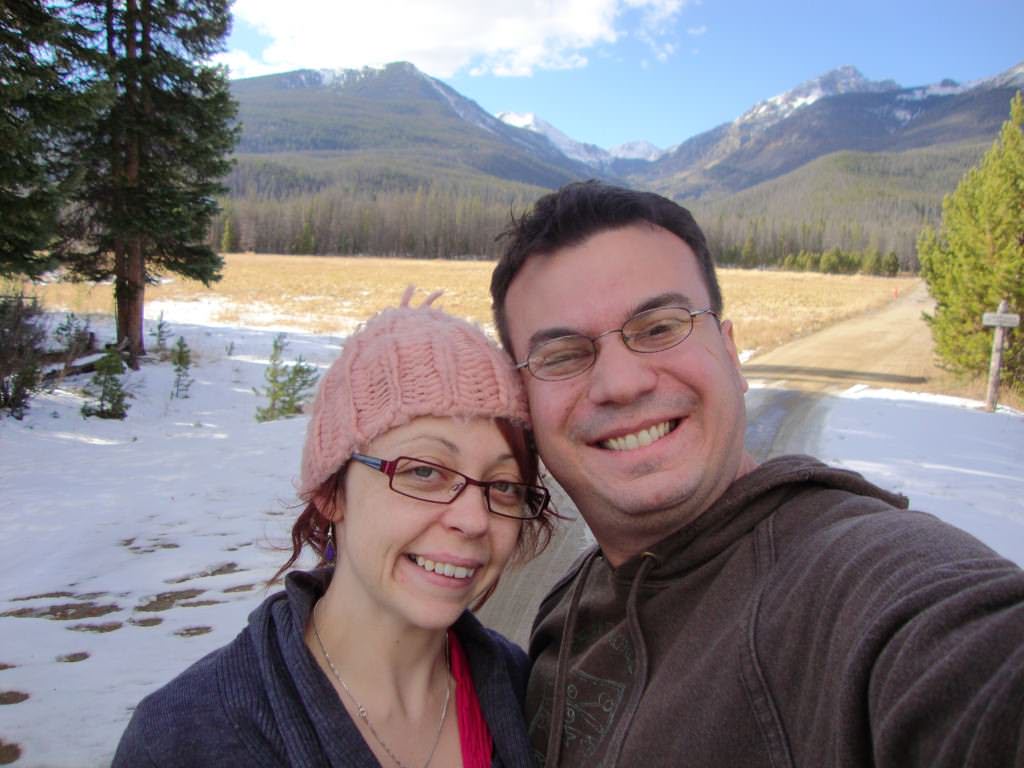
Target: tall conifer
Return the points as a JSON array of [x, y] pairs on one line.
[[976, 258], [49, 99], [154, 166]]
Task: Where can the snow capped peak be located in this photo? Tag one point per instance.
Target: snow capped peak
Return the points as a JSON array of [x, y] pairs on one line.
[[574, 150], [330, 77], [335, 76], [637, 150], [1011, 78], [845, 79], [526, 120]]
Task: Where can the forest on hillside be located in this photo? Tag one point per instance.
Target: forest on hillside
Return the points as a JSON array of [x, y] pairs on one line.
[[437, 222], [847, 212], [856, 202]]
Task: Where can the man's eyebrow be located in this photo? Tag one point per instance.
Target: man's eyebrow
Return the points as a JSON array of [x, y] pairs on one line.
[[667, 299], [547, 334]]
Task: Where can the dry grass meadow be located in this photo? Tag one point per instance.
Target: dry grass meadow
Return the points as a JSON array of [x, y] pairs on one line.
[[332, 294]]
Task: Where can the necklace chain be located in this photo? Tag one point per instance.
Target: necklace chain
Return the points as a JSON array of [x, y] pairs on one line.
[[361, 710]]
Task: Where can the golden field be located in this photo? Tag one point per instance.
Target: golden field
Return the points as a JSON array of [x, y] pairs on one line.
[[331, 294]]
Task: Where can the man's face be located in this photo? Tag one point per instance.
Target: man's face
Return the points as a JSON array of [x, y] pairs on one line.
[[689, 397]]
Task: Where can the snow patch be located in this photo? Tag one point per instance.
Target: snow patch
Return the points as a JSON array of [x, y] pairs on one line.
[[195, 495]]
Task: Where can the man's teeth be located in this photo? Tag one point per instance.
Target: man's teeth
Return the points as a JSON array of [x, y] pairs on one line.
[[638, 439], [445, 569]]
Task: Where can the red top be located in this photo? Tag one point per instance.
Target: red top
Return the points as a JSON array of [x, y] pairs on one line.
[[474, 736]]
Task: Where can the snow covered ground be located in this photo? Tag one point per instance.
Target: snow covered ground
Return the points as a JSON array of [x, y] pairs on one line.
[[129, 549]]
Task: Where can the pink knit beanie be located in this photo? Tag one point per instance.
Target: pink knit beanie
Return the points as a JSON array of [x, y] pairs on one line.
[[403, 363]]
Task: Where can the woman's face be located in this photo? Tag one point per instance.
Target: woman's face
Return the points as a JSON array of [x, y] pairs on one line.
[[385, 539]]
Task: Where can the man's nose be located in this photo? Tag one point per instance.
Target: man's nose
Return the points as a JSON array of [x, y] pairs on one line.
[[619, 375]]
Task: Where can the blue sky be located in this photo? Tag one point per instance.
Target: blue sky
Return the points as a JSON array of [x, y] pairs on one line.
[[611, 71]]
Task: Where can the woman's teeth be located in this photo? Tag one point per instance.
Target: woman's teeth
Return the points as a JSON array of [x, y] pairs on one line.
[[638, 439], [445, 569]]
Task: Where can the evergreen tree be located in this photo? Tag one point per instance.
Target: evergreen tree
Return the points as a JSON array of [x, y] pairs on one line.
[[181, 359], [48, 103], [977, 257], [160, 334], [106, 389], [229, 237], [287, 385], [891, 264], [153, 166]]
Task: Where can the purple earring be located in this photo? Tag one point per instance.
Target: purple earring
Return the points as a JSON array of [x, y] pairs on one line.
[[329, 551]]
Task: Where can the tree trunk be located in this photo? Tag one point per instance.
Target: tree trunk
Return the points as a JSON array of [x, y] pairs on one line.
[[130, 279], [129, 290]]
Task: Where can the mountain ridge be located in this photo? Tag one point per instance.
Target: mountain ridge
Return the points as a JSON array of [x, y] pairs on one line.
[[327, 142]]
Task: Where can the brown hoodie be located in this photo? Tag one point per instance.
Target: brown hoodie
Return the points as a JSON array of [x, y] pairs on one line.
[[805, 619]]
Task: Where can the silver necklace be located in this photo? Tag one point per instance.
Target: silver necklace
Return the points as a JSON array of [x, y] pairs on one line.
[[361, 710]]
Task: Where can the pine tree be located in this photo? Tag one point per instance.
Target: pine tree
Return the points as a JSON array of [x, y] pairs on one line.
[[106, 389], [154, 165], [229, 237], [181, 359], [976, 258], [160, 334], [287, 385], [48, 104]]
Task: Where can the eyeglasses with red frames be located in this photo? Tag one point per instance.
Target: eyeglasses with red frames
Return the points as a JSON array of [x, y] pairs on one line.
[[438, 484]]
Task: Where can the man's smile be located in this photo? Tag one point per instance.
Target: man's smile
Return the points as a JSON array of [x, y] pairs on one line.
[[640, 438]]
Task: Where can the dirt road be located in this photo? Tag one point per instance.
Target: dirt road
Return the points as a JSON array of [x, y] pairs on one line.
[[890, 347]]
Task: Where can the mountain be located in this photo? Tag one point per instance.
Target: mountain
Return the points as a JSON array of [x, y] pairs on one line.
[[394, 111], [636, 150], [837, 82], [575, 150], [620, 161], [838, 111], [390, 160]]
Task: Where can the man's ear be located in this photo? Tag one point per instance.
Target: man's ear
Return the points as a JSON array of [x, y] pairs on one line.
[[730, 348]]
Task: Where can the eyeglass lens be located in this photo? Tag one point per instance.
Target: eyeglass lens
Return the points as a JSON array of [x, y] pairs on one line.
[[431, 482], [650, 331]]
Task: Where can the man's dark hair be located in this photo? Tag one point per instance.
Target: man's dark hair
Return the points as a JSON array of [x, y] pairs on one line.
[[575, 213]]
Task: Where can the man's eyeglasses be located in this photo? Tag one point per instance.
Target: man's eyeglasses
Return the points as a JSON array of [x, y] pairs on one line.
[[427, 481], [651, 331]]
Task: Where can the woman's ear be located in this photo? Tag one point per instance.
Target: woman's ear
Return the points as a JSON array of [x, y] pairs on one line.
[[330, 502]]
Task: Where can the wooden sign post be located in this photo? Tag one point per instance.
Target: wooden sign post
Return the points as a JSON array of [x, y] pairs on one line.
[[1000, 320]]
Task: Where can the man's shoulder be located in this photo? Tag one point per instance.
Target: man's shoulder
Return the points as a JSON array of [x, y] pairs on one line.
[[820, 516]]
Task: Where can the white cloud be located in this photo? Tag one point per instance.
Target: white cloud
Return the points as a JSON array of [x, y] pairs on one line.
[[697, 31], [241, 64], [442, 37]]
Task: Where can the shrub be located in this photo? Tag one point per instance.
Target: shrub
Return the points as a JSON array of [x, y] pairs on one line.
[[73, 337], [21, 348]]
